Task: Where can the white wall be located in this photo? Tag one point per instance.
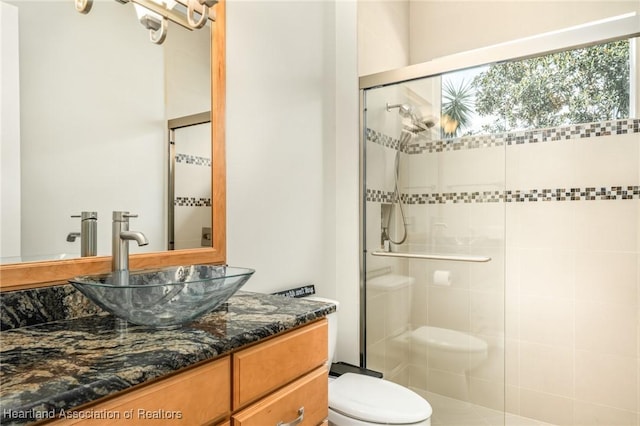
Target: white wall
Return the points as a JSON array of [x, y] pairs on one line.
[[346, 188], [383, 35], [187, 62], [88, 144], [9, 132], [444, 27], [292, 150]]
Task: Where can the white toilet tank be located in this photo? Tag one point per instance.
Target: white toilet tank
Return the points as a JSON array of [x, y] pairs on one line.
[[390, 295], [332, 319]]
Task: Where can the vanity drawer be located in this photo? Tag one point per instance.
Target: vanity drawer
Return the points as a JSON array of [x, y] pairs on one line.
[[305, 400], [196, 397], [263, 368]]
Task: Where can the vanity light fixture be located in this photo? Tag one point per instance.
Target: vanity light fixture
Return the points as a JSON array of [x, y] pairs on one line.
[[155, 15]]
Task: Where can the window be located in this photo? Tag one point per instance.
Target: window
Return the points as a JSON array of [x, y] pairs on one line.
[[573, 86]]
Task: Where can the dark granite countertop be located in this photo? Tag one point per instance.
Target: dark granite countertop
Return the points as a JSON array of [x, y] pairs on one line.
[[61, 364]]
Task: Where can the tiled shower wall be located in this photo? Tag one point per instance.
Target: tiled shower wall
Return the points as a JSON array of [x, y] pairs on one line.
[[558, 210], [572, 287]]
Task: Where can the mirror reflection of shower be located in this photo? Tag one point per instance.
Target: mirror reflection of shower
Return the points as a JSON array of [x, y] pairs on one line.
[[190, 159]]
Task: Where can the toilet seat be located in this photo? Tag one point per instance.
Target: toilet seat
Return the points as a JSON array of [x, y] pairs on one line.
[[374, 400]]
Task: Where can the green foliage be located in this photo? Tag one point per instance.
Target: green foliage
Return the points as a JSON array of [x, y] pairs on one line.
[[575, 86], [457, 107]]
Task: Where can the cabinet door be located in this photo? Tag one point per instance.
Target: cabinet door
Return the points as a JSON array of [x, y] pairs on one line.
[[266, 367], [302, 403], [196, 397]]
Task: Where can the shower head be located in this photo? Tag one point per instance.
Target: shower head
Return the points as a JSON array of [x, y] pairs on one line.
[[418, 123], [405, 110]]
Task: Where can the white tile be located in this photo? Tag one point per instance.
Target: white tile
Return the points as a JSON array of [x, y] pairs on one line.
[[596, 157], [607, 225], [422, 172], [547, 408], [547, 272], [588, 414], [605, 276], [473, 170], [486, 393], [376, 166], [448, 384], [376, 313], [493, 367], [511, 420], [376, 356], [449, 308], [607, 379], [512, 363], [486, 314], [541, 165], [607, 328], [489, 276], [547, 369], [547, 225], [547, 321], [512, 400], [194, 140]]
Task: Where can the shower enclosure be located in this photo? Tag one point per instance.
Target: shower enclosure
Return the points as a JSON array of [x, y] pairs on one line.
[[492, 284], [435, 242]]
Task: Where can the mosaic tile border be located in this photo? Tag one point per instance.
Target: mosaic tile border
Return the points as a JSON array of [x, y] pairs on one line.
[[576, 131], [629, 192], [193, 159], [192, 202], [382, 139]]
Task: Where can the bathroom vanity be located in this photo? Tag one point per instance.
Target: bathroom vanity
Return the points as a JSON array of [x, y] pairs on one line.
[[258, 360]]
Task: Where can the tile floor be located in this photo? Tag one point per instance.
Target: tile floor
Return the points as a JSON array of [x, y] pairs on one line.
[[453, 412]]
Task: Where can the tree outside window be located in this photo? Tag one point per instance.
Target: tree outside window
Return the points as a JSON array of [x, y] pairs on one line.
[[575, 86]]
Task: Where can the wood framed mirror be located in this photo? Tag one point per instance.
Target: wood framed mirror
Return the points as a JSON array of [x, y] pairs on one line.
[[38, 274]]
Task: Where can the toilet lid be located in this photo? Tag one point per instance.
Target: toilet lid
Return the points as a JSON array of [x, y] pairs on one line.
[[446, 339], [376, 400]]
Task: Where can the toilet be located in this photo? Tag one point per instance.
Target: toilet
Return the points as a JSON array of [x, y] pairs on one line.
[[360, 400]]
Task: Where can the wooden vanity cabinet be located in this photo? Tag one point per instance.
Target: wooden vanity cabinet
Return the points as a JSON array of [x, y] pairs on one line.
[[282, 379], [303, 402], [198, 396], [262, 368]]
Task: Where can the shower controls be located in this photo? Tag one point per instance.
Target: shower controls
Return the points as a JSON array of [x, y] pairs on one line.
[[205, 237], [385, 216]]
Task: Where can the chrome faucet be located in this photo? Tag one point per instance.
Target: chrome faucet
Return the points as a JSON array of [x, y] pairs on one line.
[[88, 234], [71, 236], [120, 238]]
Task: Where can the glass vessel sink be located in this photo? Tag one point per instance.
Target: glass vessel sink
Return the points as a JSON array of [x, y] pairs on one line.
[[167, 297]]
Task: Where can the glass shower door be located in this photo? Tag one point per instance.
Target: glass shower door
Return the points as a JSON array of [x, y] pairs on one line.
[[434, 221]]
